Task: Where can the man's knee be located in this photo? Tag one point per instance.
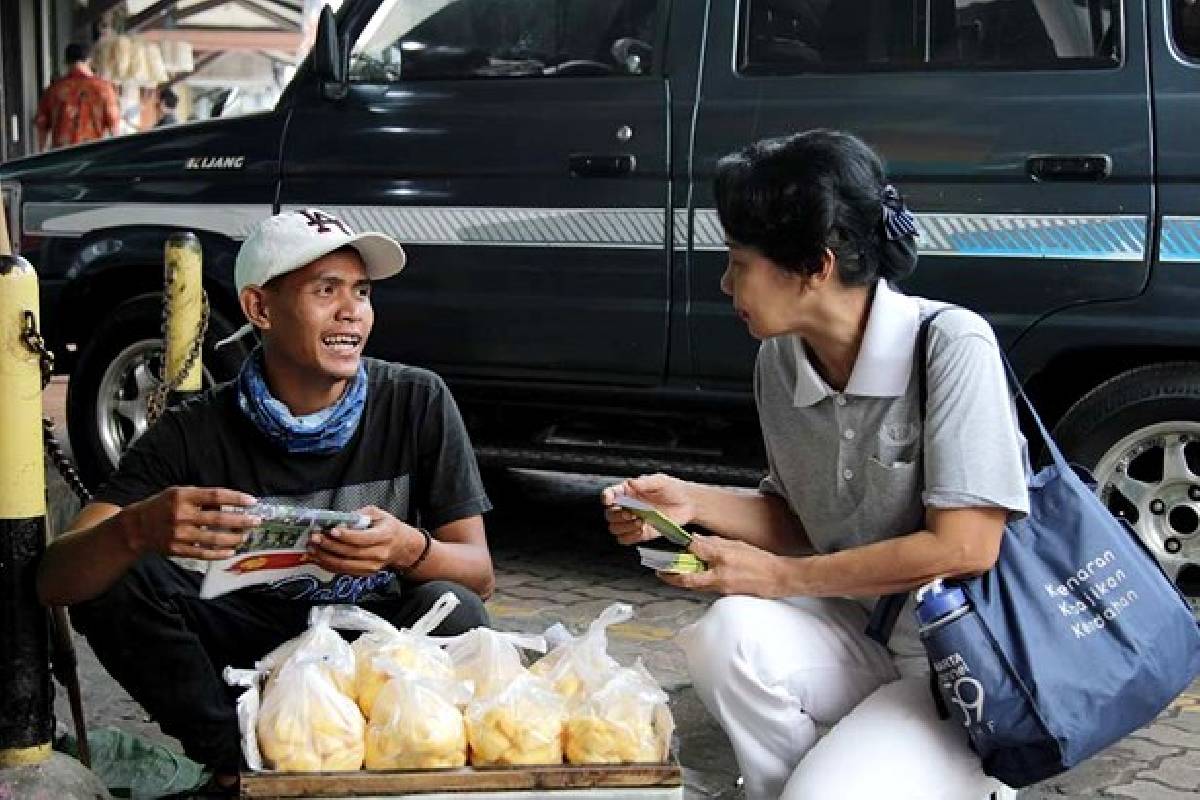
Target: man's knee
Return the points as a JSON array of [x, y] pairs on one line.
[[470, 612], [142, 588]]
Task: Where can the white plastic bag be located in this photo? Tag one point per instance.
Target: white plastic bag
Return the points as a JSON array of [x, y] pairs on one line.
[[248, 704], [489, 659], [520, 724], [417, 722], [305, 724], [320, 642], [411, 650], [626, 720], [578, 665]]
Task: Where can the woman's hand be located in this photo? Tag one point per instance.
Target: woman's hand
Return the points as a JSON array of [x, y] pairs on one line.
[[669, 495], [733, 568]]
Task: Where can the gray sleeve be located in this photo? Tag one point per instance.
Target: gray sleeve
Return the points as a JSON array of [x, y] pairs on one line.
[[975, 454]]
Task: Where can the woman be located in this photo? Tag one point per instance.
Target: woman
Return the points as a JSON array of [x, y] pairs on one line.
[[863, 496]]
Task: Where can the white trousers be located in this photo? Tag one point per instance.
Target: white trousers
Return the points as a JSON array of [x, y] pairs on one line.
[[773, 672]]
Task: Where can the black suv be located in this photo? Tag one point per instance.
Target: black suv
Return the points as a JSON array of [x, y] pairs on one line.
[[547, 164]]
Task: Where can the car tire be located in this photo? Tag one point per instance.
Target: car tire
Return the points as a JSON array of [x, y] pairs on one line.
[[115, 374], [1139, 433]]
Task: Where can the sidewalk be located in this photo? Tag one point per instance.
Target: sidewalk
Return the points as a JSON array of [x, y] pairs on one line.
[[556, 563]]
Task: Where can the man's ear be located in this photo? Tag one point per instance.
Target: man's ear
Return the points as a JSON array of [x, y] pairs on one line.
[[255, 306]]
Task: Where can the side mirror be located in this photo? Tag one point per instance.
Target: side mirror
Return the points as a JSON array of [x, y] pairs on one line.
[[329, 62]]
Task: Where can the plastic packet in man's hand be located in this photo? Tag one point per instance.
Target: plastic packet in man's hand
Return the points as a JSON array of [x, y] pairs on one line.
[[277, 547]]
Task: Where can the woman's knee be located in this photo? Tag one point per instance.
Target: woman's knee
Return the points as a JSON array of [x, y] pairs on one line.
[[715, 644], [469, 613], [916, 756]]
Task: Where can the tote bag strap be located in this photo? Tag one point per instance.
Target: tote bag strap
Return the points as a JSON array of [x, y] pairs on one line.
[[887, 608]]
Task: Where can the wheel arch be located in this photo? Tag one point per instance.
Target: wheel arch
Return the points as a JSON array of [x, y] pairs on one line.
[[111, 267], [1071, 375]]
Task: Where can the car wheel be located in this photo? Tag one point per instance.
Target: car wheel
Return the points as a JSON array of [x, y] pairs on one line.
[[1140, 434], [116, 374]]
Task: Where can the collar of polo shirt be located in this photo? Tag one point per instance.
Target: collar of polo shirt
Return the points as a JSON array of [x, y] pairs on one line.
[[884, 361]]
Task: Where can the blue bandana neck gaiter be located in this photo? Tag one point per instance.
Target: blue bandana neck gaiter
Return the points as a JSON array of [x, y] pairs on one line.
[[326, 431]]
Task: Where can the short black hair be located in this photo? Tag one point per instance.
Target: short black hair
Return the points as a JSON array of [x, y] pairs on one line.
[[168, 98], [76, 51], [793, 196]]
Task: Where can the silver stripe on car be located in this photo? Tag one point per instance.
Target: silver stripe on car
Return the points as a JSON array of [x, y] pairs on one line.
[[1047, 236]]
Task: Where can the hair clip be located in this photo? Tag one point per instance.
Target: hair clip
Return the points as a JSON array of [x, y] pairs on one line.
[[898, 221]]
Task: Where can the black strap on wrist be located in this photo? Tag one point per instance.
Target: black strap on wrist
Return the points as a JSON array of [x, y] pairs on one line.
[[421, 558]]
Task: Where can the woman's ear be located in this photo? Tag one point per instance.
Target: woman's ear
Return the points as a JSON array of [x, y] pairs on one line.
[[254, 305], [826, 272], [828, 266]]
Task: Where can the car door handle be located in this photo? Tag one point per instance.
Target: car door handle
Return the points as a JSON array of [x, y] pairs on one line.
[[601, 165], [1069, 168]]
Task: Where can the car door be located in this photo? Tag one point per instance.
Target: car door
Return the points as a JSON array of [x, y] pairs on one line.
[[1176, 103], [518, 150], [1018, 130]]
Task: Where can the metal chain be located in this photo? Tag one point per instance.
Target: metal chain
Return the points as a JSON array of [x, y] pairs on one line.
[[33, 340], [157, 402]]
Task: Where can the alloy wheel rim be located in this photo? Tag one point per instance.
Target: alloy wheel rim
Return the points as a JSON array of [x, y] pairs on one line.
[[1151, 478], [125, 389]]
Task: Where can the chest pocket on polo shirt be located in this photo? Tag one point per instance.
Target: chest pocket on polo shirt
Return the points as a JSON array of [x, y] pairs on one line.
[[899, 443], [893, 493]]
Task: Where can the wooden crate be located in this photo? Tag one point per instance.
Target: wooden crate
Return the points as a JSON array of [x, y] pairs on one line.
[[657, 781]]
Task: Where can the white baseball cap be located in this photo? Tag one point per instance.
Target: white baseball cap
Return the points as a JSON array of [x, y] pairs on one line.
[[294, 239]]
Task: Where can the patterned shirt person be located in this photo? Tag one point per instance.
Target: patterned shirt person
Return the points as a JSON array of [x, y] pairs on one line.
[[76, 108]]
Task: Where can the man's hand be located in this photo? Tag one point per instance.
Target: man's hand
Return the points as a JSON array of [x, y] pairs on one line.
[[733, 568], [387, 543], [669, 495], [188, 521]]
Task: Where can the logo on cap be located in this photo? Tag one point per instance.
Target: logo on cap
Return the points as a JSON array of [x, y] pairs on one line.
[[324, 223]]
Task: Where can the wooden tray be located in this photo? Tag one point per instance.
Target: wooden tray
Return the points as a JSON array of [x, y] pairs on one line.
[[365, 783]]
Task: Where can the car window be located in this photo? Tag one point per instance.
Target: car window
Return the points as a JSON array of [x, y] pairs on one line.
[[1185, 27], [789, 36], [427, 39]]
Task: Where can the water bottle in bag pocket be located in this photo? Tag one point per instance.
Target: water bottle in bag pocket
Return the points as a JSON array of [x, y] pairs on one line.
[[977, 687]]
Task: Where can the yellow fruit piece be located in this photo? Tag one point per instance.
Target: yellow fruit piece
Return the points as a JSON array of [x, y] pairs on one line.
[[413, 727], [307, 725], [412, 654], [521, 725], [595, 740]]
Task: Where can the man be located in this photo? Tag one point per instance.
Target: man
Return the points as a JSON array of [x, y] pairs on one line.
[[310, 422], [78, 107], [167, 102]]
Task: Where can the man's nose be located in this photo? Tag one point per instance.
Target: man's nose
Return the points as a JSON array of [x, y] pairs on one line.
[[351, 307], [727, 282]]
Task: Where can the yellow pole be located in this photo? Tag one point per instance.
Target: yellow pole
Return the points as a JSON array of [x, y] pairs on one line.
[[25, 719], [184, 294]]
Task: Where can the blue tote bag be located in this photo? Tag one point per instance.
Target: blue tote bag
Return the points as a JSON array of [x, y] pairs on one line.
[[1074, 639]]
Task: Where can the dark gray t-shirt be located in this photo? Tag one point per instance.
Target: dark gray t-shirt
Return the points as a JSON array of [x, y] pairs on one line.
[[410, 456]]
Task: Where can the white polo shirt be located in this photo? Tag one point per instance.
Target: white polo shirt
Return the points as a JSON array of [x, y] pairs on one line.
[[860, 466]]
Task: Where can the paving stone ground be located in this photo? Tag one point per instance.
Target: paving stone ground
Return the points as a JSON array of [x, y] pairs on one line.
[[556, 563]]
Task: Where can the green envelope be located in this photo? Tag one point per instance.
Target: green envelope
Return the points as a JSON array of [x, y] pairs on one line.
[[655, 518]]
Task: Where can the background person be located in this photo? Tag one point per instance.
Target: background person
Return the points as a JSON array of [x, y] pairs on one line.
[[863, 497], [78, 107], [168, 101], [310, 422]]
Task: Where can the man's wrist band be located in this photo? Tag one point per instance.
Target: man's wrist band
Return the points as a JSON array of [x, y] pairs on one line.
[[424, 553]]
